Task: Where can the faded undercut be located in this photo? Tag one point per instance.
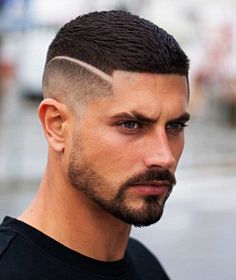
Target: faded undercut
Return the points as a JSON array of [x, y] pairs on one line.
[[68, 82]]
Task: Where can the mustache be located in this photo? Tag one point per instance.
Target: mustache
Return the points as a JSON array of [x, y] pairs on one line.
[[152, 175]]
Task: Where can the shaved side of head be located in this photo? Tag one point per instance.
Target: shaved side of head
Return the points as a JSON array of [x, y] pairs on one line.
[[72, 82]]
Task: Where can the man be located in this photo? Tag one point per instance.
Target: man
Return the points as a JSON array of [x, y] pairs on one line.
[[115, 106]]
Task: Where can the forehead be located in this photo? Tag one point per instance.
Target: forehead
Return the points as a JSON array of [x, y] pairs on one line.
[[146, 91], [122, 80]]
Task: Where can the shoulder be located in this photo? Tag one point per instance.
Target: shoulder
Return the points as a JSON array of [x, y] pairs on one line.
[[144, 261], [7, 256], [13, 245], [6, 237]]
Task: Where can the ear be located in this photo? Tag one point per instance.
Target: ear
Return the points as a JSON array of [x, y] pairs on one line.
[[54, 116]]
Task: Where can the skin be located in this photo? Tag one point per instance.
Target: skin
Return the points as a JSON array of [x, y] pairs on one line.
[[110, 140]]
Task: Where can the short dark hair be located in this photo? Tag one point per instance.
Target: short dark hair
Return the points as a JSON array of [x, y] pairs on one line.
[[118, 40]]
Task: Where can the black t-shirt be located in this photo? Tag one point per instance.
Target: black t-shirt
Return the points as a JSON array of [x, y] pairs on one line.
[[28, 254]]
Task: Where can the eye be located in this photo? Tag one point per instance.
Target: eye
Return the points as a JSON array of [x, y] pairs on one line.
[[130, 125], [175, 127]]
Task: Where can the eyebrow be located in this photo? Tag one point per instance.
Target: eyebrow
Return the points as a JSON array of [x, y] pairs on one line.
[[183, 118], [141, 117]]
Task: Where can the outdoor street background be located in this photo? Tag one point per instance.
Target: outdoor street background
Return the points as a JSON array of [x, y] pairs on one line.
[[196, 237]]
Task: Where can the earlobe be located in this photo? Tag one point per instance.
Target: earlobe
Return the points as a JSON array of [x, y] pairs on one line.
[[52, 115]]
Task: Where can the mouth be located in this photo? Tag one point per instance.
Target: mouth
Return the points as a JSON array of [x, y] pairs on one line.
[[154, 188]]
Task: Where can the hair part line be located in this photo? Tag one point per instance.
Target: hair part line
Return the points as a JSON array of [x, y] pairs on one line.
[[89, 67]]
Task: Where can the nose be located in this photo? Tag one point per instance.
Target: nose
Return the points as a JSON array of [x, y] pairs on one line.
[[158, 152]]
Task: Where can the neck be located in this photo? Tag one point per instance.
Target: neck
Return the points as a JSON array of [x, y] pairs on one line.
[[68, 216]]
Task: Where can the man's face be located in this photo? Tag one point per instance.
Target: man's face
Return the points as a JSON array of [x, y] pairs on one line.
[[126, 146]]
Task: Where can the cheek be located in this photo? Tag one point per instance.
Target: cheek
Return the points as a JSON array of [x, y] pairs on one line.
[[109, 153]]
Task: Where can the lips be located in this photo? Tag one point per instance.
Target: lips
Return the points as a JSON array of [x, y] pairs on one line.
[[152, 187], [156, 183]]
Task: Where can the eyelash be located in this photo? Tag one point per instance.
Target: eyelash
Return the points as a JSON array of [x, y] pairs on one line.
[[135, 122], [176, 131]]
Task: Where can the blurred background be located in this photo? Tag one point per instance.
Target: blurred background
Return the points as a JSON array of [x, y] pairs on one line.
[[195, 239]]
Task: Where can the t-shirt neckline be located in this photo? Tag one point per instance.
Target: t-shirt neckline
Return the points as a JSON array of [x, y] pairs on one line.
[[72, 258]]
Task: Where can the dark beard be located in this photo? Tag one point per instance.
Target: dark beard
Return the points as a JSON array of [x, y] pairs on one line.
[[90, 183]]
